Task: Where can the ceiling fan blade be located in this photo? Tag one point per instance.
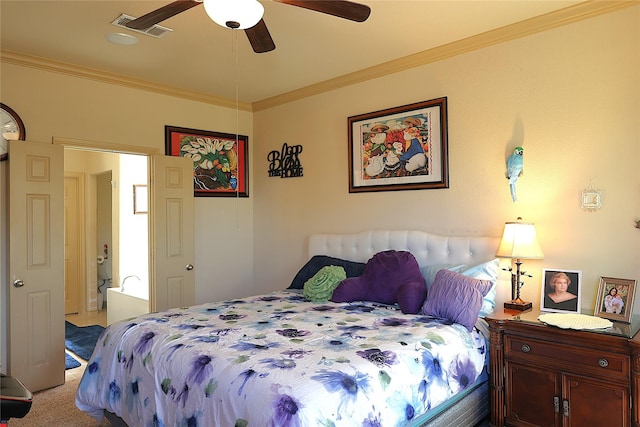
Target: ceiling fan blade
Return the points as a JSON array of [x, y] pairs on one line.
[[159, 15], [260, 38], [342, 9]]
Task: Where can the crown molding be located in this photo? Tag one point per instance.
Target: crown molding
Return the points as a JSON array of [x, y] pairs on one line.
[[568, 15], [43, 64]]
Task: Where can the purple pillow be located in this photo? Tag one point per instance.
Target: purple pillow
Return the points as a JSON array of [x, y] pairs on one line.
[[389, 277], [410, 297], [456, 297]]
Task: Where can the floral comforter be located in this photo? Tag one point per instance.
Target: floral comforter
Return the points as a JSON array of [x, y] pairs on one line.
[[278, 360]]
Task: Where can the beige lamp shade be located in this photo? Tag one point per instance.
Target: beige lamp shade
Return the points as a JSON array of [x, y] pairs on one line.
[[519, 241]]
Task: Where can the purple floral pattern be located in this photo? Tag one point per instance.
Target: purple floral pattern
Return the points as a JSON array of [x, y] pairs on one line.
[[278, 360]]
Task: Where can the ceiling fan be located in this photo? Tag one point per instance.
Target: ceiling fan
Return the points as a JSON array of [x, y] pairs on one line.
[[256, 30]]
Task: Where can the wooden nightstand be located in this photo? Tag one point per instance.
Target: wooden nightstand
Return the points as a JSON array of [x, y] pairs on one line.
[[547, 376]]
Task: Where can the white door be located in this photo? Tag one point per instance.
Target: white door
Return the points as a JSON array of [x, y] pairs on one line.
[[172, 233], [36, 264]]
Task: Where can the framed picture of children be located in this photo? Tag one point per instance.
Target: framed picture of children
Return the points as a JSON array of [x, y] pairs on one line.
[[615, 298], [561, 290]]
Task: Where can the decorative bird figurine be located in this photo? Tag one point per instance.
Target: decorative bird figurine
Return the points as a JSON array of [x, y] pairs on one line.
[[514, 170]]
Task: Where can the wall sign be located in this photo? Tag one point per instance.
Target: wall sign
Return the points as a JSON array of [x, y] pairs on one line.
[[286, 163]]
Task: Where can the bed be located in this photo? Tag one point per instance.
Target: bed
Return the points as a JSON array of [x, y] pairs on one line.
[[281, 360]]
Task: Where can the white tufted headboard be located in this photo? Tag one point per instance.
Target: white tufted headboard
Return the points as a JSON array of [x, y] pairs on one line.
[[428, 249]]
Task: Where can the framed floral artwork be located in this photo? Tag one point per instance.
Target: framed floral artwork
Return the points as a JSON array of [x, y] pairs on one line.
[[400, 148], [220, 160], [615, 299]]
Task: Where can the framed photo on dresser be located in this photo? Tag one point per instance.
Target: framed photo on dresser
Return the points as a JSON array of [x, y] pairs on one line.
[[615, 299], [561, 290]]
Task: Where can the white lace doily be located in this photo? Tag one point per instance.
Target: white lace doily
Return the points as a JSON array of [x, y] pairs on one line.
[[574, 321]]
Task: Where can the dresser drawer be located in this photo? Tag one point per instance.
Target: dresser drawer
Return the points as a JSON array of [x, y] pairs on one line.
[[580, 360]]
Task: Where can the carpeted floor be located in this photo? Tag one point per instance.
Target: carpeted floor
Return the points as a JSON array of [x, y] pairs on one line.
[[56, 407]]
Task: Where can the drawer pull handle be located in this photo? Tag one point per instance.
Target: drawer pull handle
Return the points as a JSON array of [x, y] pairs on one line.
[[526, 348], [603, 363]]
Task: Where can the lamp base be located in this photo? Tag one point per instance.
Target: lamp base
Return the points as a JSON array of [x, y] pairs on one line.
[[518, 305]]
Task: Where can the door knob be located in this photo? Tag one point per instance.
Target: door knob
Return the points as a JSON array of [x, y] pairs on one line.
[[189, 267], [18, 283]]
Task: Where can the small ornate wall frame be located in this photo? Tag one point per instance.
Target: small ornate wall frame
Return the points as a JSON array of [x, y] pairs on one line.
[[591, 199]]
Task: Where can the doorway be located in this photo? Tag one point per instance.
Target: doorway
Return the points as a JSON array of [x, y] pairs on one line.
[[115, 243], [171, 230]]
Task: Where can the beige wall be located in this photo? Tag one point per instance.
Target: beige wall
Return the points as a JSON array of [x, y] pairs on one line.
[[61, 106], [569, 96]]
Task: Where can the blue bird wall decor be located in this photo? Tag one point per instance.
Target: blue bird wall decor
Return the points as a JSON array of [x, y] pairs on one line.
[[514, 170]]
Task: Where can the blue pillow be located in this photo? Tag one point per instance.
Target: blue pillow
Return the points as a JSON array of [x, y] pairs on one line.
[[483, 271], [351, 268]]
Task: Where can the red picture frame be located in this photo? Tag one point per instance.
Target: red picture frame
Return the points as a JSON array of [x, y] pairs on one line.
[[220, 160]]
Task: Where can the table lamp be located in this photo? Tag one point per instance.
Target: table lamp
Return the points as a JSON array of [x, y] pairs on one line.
[[519, 241]]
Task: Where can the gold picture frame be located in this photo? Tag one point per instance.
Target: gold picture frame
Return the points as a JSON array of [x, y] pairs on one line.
[[615, 299]]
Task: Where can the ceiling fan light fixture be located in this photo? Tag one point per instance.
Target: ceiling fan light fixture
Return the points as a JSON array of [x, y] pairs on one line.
[[236, 14]]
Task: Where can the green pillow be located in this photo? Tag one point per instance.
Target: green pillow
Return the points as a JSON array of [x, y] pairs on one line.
[[321, 285]]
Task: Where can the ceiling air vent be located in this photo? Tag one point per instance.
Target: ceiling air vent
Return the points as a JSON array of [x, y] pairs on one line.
[[156, 31]]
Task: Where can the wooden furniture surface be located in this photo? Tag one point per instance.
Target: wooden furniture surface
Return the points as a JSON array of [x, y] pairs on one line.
[[547, 376]]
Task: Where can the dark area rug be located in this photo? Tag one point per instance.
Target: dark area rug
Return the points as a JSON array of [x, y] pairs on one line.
[[70, 362], [81, 339]]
